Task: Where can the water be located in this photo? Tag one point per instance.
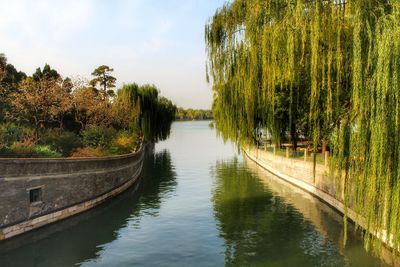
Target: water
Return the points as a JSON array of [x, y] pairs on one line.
[[199, 203]]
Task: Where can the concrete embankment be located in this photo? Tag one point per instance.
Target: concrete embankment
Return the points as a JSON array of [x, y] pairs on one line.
[[36, 192], [300, 173]]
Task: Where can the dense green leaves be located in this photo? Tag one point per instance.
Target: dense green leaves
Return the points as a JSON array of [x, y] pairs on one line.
[[193, 114], [326, 70], [103, 78], [9, 80], [141, 107]]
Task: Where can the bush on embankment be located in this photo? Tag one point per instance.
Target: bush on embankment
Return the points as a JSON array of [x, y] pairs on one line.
[[46, 115], [96, 141]]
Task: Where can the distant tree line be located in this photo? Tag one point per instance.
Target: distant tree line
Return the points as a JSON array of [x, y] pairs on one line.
[[44, 108], [193, 114]]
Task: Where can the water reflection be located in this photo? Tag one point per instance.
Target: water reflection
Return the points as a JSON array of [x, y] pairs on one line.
[[267, 223], [83, 237], [181, 214], [159, 183]]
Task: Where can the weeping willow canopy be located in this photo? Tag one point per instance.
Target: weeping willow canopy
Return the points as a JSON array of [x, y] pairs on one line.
[[142, 108], [324, 69]]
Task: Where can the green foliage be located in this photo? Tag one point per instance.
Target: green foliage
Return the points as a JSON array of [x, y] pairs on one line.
[[127, 107], [162, 119], [28, 150], [62, 141], [46, 74], [45, 152], [66, 114], [11, 133], [193, 114], [326, 70], [148, 97], [123, 143], [103, 78], [9, 80], [141, 108], [98, 136]]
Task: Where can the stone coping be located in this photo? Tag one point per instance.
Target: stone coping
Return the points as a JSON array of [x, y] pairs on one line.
[[70, 158]]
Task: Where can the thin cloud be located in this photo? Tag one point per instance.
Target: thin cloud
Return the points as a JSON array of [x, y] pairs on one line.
[[145, 41]]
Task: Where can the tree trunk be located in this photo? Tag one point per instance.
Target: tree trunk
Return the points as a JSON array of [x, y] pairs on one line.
[[293, 137], [324, 144], [61, 122]]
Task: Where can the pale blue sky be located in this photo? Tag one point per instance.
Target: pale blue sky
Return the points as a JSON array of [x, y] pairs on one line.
[[145, 41]]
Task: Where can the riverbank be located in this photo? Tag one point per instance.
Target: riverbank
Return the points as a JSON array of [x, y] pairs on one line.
[[300, 173], [37, 192]]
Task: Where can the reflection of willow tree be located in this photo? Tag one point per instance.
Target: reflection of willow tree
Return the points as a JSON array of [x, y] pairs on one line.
[[259, 228], [160, 179], [83, 236]]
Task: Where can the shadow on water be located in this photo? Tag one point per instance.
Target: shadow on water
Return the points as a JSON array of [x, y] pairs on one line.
[[82, 237], [267, 223]]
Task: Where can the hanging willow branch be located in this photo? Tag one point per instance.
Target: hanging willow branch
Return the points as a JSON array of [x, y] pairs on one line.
[[324, 69]]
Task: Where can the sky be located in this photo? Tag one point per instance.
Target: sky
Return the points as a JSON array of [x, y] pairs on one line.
[[146, 41]]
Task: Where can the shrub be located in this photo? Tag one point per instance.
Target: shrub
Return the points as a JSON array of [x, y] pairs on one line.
[[11, 133], [6, 152], [28, 149], [124, 143], [61, 141], [22, 149], [98, 136], [45, 152], [88, 152]]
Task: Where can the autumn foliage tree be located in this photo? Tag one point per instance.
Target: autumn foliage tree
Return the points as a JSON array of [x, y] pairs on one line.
[[40, 102], [91, 107]]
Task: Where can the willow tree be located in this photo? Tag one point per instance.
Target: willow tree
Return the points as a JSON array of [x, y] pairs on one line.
[[126, 107], [157, 113], [331, 67], [141, 108]]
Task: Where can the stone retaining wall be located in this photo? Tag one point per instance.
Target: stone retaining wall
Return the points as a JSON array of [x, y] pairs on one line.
[[36, 192], [298, 168], [300, 173]]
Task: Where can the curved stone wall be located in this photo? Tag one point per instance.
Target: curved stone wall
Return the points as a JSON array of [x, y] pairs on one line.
[[35, 192]]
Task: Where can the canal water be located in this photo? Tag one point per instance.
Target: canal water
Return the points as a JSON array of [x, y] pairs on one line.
[[199, 203]]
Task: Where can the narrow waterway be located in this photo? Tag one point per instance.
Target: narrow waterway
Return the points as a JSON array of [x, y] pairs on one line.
[[199, 203]]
